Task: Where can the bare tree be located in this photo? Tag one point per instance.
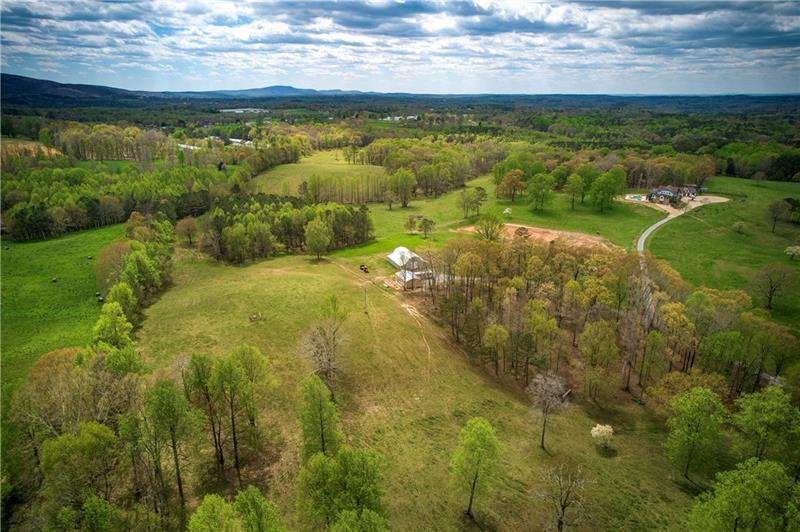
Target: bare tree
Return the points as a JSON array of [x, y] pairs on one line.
[[773, 280], [323, 339], [548, 393], [563, 491], [779, 210]]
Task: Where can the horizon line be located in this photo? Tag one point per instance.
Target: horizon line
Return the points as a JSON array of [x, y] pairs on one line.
[[375, 92]]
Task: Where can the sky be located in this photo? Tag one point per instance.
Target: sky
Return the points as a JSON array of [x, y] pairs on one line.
[[480, 46]]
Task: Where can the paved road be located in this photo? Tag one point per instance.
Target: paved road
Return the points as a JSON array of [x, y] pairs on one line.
[[647, 232]]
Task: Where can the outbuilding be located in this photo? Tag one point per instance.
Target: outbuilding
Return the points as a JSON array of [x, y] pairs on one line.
[[404, 259], [412, 280]]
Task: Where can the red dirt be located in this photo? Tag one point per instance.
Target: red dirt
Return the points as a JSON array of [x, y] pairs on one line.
[[552, 235]]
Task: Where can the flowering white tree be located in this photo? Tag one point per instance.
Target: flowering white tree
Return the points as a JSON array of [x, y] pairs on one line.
[[602, 434]]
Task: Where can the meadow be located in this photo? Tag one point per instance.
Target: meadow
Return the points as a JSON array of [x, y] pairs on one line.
[[285, 179], [405, 390], [40, 315], [621, 225], [705, 248]]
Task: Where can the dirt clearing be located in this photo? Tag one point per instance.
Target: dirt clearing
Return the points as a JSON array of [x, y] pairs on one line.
[[552, 235], [687, 204]]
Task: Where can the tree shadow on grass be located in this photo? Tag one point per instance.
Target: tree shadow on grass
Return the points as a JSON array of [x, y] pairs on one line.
[[317, 261], [480, 521], [689, 487], [545, 451], [606, 452]]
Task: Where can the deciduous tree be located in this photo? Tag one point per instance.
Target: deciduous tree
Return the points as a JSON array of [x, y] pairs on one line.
[[169, 410], [214, 515], [403, 183], [256, 513], [231, 387], [549, 394], [318, 419], [574, 187], [489, 227], [121, 293], [495, 338], [474, 463], [694, 428], [318, 236], [511, 185], [540, 190], [112, 327], [563, 492], [772, 281], [753, 496], [187, 228], [778, 211], [764, 420]]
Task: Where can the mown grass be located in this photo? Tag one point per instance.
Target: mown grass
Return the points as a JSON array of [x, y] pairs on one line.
[[405, 391], [704, 247], [285, 179], [621, 225], [39, 315]]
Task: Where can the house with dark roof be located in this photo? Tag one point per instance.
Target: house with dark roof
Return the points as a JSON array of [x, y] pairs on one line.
[[670, 194]]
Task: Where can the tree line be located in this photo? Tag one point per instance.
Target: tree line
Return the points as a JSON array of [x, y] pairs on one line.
[[244, 228], [519, 307], [49, 199]]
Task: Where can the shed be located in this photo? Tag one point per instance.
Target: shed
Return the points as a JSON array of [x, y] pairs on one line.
[[411, 280]]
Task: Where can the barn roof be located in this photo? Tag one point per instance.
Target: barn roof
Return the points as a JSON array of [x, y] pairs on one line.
[[401, 255]]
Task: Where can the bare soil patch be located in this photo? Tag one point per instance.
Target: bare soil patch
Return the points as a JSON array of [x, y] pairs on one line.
[[687, 204], [552, 235]]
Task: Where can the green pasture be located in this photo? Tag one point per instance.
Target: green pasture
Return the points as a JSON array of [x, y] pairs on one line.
[[285, 179], [405, 390], [705, 248], [39, 315]]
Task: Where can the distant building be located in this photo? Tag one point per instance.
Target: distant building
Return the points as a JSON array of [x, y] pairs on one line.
[[241, 142], [241, 110]]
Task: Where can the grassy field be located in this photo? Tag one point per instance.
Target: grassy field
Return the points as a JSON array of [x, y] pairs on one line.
[[703, 246], [285, 179], [405, 391], [621, 225], [39, 315]]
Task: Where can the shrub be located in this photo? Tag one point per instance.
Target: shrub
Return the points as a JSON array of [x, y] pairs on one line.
[[602, 434]]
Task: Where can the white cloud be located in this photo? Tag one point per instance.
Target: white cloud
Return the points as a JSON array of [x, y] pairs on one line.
[[395, 46]]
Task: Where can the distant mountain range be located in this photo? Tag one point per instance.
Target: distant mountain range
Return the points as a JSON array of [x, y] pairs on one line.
[[21, 91]]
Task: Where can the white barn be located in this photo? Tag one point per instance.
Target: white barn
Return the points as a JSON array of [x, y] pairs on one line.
[[404, 259]]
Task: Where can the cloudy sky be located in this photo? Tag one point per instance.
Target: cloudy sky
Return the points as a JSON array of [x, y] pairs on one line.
[[434, 47]]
